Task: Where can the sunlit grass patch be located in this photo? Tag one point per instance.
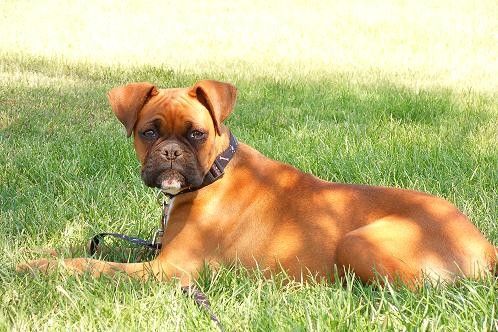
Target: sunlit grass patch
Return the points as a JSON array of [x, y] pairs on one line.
[[423, 43]]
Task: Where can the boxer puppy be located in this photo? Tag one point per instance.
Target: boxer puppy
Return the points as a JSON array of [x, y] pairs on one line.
[[232, 203]]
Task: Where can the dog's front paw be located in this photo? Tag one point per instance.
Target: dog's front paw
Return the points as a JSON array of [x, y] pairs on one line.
[[38, 265]]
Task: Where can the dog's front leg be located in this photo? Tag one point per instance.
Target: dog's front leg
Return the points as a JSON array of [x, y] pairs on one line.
[[156, 268]]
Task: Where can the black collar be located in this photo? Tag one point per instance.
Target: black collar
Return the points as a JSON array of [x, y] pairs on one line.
[[217, 169]]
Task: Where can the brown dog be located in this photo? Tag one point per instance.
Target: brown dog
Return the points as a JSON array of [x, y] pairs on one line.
[[268, 214]]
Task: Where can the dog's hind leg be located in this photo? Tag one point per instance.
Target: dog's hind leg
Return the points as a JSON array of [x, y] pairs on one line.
[[406, 250], [373, 251]]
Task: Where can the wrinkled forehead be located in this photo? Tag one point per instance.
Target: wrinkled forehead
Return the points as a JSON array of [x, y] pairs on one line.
[[172, 110]]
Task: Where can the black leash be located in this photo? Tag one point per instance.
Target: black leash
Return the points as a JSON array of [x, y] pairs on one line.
[[215, 172], [155, 244], [202, 302], [99, 238]]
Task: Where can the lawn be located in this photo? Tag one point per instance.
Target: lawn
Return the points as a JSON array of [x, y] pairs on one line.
[[423, 115]]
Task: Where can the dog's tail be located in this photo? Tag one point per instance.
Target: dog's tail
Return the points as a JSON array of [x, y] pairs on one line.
[[495, 262]]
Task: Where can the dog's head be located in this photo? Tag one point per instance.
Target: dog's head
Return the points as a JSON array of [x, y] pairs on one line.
[[177, 132]]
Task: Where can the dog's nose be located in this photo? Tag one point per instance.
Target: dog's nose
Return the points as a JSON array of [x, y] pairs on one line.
[[172, 151]]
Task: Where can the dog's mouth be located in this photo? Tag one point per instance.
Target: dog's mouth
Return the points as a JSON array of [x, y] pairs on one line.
[[171, 176], [171, 181]]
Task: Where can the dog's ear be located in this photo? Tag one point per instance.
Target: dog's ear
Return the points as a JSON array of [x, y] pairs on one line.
[[218, 97], [127, 101]]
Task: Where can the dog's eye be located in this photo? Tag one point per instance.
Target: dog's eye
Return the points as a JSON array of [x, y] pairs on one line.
[[149, 134], [197, 135]]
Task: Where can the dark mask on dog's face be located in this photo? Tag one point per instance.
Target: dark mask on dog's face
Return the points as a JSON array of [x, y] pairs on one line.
[[177, 132]]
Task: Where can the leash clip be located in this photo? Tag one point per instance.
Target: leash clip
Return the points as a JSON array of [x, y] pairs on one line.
[[158, 234], [164, 218], [157, 237]]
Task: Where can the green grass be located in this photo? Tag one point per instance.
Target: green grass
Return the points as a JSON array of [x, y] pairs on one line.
[[67, 171]]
